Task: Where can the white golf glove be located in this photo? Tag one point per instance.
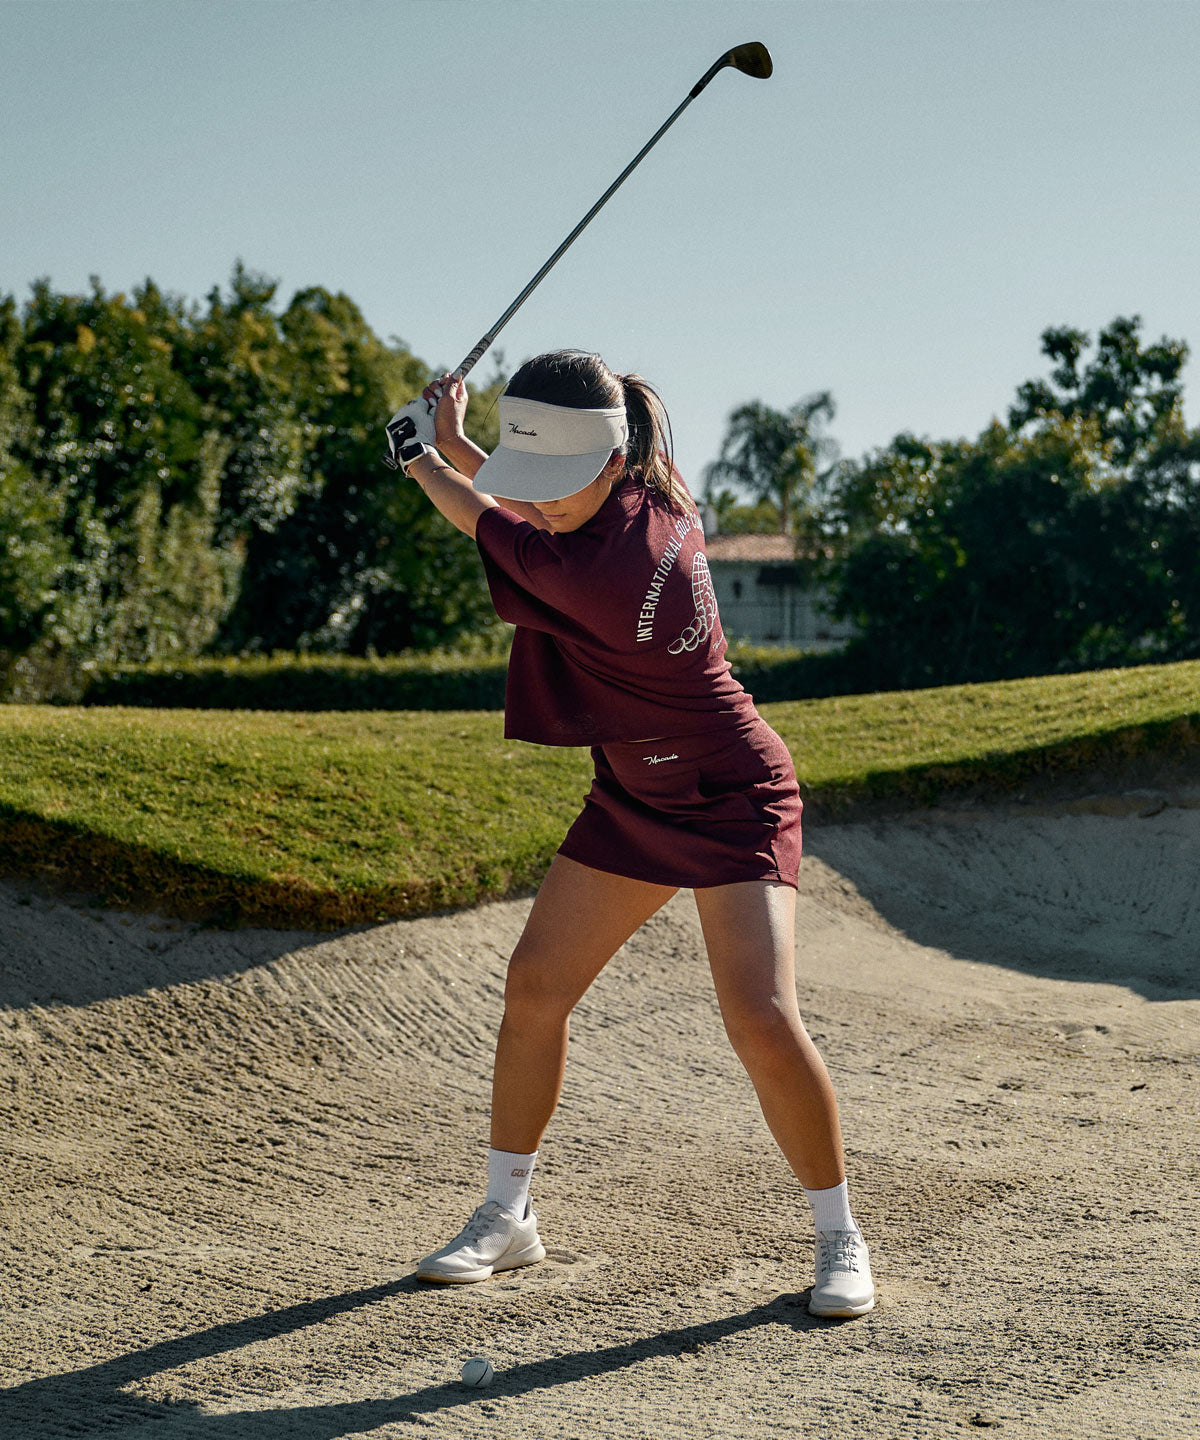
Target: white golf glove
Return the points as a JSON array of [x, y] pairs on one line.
[[410, 434]]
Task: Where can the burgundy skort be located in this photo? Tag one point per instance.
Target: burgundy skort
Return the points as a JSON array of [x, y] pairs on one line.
[[693, 810]]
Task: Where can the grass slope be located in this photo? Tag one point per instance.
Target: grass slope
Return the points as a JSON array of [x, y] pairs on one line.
[[328, 819]]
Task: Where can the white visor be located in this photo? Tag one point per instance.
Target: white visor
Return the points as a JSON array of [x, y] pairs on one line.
[[549, 451]]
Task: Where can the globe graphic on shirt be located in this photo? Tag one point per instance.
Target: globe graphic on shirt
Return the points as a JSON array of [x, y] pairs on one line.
[[705, 600]]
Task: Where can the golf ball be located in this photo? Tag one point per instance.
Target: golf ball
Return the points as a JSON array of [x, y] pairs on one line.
[[478, 1371]]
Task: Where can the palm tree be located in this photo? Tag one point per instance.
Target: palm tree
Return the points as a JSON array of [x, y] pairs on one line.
[[775, 454]]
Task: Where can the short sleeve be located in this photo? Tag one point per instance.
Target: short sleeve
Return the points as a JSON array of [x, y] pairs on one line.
[[535, 578]]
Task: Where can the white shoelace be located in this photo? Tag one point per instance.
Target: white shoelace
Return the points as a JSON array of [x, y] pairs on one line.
[[839, 1250], [483, 1225]]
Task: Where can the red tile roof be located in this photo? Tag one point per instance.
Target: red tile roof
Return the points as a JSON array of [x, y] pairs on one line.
[[758, 549]]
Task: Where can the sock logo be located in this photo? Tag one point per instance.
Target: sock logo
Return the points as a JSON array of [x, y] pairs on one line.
[[519, 1174]]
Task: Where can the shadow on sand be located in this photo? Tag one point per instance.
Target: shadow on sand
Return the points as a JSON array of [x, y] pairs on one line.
[[93, 1400], [60, 950], [1099, 897]]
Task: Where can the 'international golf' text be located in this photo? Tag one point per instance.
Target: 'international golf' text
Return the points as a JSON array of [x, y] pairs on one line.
[[683, 527]]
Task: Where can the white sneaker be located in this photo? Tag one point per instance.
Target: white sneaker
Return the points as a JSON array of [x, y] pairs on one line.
[[493, 1239], [844, 1286]]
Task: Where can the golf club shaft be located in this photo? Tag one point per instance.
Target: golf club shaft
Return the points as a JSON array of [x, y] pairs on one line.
[[481, 348]]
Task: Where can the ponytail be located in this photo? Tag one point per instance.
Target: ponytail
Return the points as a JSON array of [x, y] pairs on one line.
[[650, 449]]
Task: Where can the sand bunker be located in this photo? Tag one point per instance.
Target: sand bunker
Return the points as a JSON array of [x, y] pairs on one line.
[[223, 1151]]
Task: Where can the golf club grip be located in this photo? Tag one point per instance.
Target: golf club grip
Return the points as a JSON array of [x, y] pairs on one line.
[[476, 355]]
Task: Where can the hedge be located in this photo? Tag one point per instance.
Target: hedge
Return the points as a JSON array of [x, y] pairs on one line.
[[430, 681]]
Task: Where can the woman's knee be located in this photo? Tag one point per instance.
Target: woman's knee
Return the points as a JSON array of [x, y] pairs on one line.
[[534, 987], [764, 1030]]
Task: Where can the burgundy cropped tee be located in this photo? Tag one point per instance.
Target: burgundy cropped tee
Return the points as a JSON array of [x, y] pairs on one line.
[[618, 636]]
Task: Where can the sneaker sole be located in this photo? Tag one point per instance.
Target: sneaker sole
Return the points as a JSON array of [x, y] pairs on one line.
[[842, 1312], [530, 1256]]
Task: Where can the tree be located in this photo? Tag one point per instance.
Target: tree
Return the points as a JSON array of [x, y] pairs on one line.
[[733, 517], [775, 454], [994, 575], [1132, 392], [1160, 516], [1063, 541], [426, 586], [32, 549], [176, 477], [117, 443], [361, 562], [1147, 511], [884, 493], [234, 356]]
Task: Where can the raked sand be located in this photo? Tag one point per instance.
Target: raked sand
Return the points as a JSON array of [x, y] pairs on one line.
[[223, 1151]]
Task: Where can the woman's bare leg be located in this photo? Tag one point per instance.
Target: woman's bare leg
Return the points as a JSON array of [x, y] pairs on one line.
[[749, 931], [579, 920]]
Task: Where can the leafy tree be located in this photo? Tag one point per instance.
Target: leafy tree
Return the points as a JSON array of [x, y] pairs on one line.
[[361, 562], [884, 493], [1146, 514], [175, 477], [1160, 517], [1133, 393], [1064, 541], [982, 581], [32, 549], [32, 558], [117, 442], [178, 477], [733, 517], [775, 454], [235, 358]]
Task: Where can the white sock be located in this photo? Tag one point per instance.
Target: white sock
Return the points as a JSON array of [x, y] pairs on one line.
[[831, 1208], [508, 1180]]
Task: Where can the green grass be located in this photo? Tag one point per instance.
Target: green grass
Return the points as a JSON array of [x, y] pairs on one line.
[[328, 819]]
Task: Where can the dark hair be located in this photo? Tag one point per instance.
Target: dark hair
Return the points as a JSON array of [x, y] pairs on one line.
[[583, 381]]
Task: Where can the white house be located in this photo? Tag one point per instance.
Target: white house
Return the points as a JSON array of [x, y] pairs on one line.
[[761, 596]]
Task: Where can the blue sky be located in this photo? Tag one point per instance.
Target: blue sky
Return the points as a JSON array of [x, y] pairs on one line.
[[895, 216]]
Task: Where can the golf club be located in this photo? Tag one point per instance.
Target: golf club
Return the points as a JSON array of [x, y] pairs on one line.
[[753, 59]]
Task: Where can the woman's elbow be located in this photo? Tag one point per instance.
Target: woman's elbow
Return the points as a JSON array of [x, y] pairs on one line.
[[487, 503]]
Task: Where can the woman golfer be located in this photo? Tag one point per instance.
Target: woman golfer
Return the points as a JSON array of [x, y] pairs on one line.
[[593, 548]]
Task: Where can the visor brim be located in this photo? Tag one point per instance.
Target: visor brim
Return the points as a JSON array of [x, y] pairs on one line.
[[519, 475]]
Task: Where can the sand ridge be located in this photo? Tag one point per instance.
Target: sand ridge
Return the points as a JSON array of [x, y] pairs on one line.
[[223, 1152]]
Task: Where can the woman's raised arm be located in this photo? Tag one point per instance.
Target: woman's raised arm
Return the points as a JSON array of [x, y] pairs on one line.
[[451, 492], [450, 394]]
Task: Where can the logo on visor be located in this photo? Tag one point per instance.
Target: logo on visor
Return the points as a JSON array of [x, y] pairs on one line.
[[515, 429]]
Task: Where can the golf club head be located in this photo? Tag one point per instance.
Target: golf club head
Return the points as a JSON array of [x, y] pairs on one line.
[[753, 59]]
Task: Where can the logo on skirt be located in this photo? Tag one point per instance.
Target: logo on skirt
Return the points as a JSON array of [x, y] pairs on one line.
[[658, 759]]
